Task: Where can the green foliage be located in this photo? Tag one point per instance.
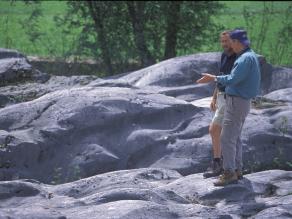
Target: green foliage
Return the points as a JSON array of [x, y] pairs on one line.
[[8, 139], [283, 127], [193, 25], [65, 29], [60, 177], [31, 24], [86, 43], [57, 176], [268, 25], [264, 103], [197, 27], [76, 173], [77, 36], [289, 164], [260, 32], [282, 48], [3, 146]]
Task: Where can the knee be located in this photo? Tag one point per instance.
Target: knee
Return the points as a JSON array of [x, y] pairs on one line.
[[211, 130], [214, 130]]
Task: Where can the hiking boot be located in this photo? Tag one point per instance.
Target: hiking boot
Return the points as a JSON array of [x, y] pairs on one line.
[[215, 170], [239, 174], [228, 177]]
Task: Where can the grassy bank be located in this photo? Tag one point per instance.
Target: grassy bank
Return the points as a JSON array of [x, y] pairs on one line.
[[54, 43]]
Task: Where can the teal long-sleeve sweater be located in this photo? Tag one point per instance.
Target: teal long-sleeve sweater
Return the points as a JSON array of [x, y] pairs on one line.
[[245, 76]]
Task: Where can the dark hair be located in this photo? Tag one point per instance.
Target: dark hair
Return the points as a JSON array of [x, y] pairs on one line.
[[225, 32]]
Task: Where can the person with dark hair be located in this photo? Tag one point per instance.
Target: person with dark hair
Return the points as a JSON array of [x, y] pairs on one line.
[[242, 84], [218, 104]]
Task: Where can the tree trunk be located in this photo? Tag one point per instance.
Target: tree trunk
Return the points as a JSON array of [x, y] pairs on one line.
[[173, 14], [95, 12], [136, 11]]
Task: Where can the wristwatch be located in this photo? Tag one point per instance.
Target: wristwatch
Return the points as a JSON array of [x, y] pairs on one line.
[[215, 79]]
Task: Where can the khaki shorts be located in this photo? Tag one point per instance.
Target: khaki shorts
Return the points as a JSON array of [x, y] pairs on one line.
[[220, 107]]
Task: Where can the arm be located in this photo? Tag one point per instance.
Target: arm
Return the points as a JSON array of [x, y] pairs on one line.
[[215, 93], [214, 100], [238, 73], [205, 79]]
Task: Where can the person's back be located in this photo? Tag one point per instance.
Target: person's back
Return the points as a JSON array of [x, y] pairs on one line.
[[246, 84]]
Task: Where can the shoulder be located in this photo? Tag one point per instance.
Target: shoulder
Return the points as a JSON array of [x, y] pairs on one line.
[[249, 56], [222, 55], [234, 56]]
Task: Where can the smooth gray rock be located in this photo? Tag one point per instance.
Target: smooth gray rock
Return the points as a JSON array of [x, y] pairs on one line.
[[276, 78], [284, 95], [28, 91], [128, 121], [69, 128], [14, 68], [174, 77], [9, 53], [179, 71], [124, 129], [150, 193]]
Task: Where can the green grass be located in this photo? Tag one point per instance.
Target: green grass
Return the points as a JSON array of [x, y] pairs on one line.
[[232, 17], [13, 35], [54, 43]]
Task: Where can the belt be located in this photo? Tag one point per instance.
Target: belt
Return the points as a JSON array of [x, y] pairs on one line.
[[225, 95], [222, 93]]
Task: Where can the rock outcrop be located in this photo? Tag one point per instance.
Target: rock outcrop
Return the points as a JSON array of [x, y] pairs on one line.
[[146, 134], [150, 193]]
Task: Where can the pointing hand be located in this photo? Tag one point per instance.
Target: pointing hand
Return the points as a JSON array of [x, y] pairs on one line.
[[206, 78]]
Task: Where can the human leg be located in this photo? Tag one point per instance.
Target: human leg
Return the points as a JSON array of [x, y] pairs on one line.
[[234, 116]]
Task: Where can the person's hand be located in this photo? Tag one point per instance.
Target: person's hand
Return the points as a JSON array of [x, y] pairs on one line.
[[213, 105], [206, 78]]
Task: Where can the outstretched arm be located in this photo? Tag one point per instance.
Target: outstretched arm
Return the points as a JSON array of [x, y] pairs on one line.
[[206, 78], [209, 78]]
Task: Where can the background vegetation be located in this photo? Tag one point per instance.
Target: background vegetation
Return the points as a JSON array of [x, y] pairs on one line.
[[119, 33]]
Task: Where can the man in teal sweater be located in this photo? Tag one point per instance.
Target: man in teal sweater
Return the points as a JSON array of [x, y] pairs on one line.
[[242, 84]]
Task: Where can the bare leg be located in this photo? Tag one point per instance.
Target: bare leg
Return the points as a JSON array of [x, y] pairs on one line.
[[216, 169], [215, 132]]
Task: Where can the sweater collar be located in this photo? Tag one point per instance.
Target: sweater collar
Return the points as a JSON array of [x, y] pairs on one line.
[[243, 51]]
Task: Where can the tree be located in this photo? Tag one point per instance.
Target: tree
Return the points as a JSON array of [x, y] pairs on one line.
[[283, 43], [31, 25], [197, 27], [172, 28], [137, 14], [148, 31], [96, 12]]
